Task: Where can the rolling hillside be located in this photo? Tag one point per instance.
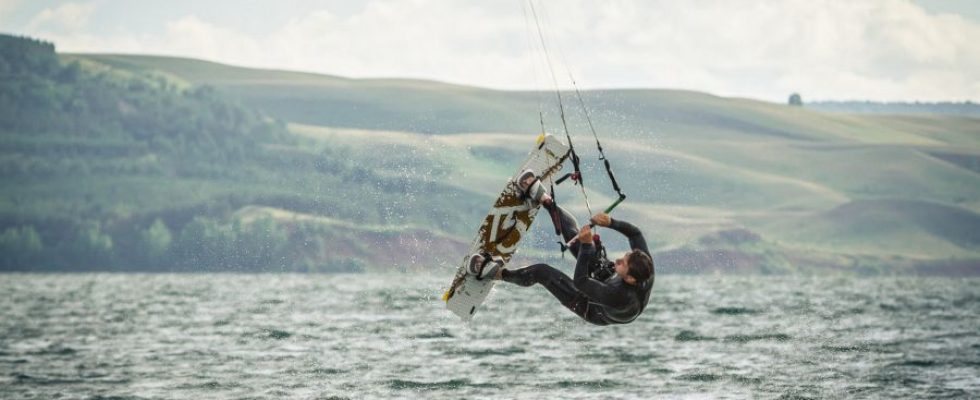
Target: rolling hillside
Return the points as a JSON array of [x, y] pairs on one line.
[[694, 164], [388, 169]]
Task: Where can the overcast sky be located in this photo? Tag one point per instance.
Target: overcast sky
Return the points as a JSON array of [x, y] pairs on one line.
[[894, 50]]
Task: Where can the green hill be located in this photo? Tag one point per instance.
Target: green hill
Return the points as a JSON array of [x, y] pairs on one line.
[[909, 228], [108, 168], [722, 163], [372, 173]]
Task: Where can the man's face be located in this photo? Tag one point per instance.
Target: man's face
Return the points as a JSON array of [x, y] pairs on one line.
[[623, 269]]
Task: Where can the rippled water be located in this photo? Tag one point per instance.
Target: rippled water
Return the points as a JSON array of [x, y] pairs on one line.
[[376, 336]]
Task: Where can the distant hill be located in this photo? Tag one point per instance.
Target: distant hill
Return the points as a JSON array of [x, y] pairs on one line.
[[388, 173], [966, 108], [106, 168]]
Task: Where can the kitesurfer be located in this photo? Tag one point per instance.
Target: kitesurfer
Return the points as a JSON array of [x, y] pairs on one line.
[[602, 292]]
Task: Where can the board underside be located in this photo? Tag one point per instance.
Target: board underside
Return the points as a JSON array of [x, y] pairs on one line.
[[504, 227]]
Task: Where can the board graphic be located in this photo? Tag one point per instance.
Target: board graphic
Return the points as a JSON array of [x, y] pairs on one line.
[[504, 226]]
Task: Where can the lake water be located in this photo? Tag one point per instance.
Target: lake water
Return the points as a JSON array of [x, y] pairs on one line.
[[224, 336]]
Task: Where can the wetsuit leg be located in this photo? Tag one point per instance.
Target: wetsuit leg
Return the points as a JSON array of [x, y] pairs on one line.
[[560, 285], [564, 220]]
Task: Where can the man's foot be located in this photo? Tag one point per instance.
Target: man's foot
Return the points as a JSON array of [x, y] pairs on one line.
[[532, 188], [494, 270], [482, 266], [475, 265]]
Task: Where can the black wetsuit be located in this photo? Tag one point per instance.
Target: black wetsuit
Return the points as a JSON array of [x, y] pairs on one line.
[[603, 301]]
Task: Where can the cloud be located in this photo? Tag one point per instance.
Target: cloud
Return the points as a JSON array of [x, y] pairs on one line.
[[67, 17], [191, 36], [862, 49], [7, 7]]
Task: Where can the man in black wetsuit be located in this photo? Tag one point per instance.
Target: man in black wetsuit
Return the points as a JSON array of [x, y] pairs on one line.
[[601, 292]]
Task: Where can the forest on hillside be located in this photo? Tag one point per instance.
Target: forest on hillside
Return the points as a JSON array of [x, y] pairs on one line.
[[106, 170]]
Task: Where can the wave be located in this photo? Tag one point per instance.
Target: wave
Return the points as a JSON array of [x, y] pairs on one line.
[[700, 377], [55, 349], [592, 384], [209, 385], [442, 334], [920, 363], [781, 337], [504, 351], [968, 300], [21, 378], [326, 371], [269, 334], [399, 384], [691, 336], [915, 363], [709, 377], [795, 396], [277, 334], [633, 358], [848, 348], [734, 311]]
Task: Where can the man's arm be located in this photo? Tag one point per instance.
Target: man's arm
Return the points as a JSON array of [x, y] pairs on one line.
[[627, 229], [637, 241]]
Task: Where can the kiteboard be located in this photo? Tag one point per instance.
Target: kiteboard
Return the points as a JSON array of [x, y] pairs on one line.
[[504, 227]]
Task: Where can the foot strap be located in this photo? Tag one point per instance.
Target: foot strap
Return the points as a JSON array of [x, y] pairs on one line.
[[526, 192]]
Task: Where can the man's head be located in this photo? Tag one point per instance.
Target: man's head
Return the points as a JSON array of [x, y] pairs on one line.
[[634, 267]]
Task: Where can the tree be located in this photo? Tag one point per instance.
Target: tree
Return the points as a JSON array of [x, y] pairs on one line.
[[88, 248], [19, 247], [260, 243], [206, 244], [155, 242], [795, 100]]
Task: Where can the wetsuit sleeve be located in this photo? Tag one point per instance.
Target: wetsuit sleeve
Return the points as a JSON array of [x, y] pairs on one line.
[[593, 289], [631, 232]]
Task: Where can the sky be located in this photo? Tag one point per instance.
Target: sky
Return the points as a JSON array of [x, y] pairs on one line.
[[882, 50]]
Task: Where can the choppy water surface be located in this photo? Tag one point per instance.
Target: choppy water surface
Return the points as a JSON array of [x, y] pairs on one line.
[[375, 336]]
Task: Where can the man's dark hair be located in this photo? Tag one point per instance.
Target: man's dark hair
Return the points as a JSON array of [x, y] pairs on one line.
[[640, 266]]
